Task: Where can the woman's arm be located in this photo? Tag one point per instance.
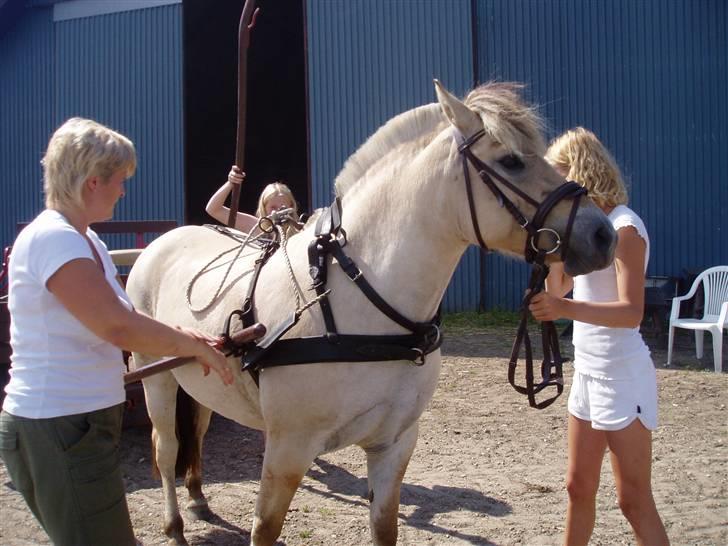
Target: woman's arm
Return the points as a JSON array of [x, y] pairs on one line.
[[82, 289], [216, 205], [558, 283], [627, 311]]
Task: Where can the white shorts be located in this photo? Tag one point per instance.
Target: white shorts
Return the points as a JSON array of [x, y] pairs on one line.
[[613, 404]]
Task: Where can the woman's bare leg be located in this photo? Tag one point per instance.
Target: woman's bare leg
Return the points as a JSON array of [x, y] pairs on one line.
[[586, 452], [631, 456]]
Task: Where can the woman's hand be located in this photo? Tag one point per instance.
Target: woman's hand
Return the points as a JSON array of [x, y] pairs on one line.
[[236, 176], [545, 307], [208, 354]]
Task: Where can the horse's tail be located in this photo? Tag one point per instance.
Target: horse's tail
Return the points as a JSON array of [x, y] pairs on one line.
[[188, 452]]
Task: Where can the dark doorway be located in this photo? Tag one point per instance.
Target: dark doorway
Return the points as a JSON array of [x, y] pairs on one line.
[[276, 132]]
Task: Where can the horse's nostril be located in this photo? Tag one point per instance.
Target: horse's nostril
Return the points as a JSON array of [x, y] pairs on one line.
[[603, 237]]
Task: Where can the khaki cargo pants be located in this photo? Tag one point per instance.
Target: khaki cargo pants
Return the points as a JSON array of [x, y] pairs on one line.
[[67, 469]]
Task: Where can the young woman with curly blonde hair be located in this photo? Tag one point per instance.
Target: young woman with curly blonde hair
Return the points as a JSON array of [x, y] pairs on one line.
[[613, 398]]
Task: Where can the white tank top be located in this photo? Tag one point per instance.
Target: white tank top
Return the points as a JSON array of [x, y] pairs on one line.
[[601, 351]]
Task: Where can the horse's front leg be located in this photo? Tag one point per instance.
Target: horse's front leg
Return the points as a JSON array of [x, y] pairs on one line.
[[161, 395], [386, 466], [285, 462]]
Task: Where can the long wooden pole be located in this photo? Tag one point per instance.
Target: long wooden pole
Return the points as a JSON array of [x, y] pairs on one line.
[[247, 21], [245, 335]]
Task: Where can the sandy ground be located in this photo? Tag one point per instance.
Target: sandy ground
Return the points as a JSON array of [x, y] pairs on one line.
[[487, 468]]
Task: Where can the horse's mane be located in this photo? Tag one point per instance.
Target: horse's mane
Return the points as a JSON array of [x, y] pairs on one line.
[[506, 118], [397, 131]]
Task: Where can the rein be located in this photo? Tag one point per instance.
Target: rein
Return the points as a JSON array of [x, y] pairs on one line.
[[552, 364]]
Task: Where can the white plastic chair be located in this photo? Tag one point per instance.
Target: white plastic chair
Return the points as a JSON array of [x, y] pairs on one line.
[[715, 314]]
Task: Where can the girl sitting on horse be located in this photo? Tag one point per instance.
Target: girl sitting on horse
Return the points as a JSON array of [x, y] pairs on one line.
[[275, 197]]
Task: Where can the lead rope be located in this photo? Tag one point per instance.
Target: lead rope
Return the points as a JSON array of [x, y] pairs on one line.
[[282, 232], [297, 292], [248, 239]]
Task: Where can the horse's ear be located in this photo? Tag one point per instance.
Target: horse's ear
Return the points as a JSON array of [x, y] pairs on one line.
[[459, 115]]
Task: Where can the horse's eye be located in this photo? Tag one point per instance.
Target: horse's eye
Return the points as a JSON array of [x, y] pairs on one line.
[[511, 162]]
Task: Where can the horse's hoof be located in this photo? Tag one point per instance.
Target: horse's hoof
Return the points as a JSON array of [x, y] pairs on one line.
[[199, 510], [175, 542]]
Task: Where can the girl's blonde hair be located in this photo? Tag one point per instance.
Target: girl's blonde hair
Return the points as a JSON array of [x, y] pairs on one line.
[[269, 191], [579, 153], [277, 188], [78, 150]]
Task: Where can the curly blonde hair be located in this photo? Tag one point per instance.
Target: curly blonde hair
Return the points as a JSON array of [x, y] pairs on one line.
[[583, 158]]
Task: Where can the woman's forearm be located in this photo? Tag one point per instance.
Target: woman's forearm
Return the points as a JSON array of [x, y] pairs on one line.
[[617, 314], [558, 282]]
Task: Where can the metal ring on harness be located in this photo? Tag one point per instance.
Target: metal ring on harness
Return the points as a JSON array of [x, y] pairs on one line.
[[556, 236], [266, 225]]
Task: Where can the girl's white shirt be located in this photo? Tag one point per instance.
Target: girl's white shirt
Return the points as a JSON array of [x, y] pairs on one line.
[[601, 351]]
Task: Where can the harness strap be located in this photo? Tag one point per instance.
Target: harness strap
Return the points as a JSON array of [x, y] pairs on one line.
[[565, 191], [471, 203], [247, 315], [570, 224], [327, 227], [348, 348], [552, 364], [355, 275]]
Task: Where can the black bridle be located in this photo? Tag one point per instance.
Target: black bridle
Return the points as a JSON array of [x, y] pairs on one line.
[[551, 366]]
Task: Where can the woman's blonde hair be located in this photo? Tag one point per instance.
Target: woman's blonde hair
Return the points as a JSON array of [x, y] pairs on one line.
[[78, 150], [579, 153]]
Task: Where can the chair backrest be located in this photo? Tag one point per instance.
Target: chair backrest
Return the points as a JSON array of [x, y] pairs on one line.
[[715, 286]]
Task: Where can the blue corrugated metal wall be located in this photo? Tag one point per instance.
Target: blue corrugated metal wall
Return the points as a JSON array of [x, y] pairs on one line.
[[26, 117], [369, 60], [133, 83], [650, 78], [123, 70]]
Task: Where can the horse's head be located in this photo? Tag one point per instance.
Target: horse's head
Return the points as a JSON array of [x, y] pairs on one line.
[[510, 198]]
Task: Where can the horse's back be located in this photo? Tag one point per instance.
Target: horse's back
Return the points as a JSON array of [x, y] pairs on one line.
[[189, 262]]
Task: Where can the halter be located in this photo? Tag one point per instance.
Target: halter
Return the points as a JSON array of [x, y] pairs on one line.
[[551, 366]]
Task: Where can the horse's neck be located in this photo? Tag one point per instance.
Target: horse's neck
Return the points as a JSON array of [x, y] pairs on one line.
[[403, 237]]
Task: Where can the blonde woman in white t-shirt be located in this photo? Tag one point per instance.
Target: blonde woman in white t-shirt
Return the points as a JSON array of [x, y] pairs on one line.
[[61, 421], [613, 397]]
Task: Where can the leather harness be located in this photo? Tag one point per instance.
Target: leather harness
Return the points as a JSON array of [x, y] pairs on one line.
[[424, 337], [332, 346]]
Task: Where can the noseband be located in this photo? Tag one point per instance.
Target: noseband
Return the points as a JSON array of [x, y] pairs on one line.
[[551, 366]]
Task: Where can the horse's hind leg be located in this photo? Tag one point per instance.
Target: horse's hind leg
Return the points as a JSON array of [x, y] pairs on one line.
[[161, 396], [284, 464], [385, 469], [197, 505]]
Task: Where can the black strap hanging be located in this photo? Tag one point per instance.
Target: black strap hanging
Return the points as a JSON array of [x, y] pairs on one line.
[[552, 363]]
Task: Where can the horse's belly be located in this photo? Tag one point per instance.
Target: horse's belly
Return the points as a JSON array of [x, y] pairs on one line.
[[238, 402], [367, 404]]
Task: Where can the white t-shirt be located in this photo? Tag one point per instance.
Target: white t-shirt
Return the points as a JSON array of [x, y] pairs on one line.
[[600, 351], [59, 367]]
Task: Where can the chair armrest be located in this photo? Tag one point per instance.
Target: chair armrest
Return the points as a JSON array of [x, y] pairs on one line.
[[675, 309], [723, 317]]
